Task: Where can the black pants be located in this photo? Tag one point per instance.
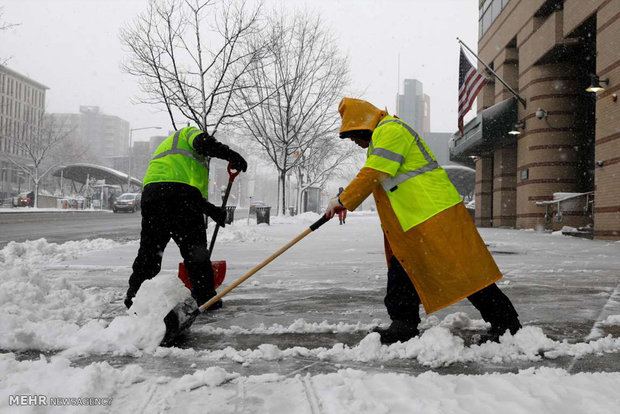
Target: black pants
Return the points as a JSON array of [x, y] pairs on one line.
[[402, 300], [183, 221]]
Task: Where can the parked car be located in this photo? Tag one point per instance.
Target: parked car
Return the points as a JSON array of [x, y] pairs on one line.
[[127, 202], [24, 199]]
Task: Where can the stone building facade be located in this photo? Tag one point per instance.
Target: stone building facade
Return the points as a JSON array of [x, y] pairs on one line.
[[22, 106]]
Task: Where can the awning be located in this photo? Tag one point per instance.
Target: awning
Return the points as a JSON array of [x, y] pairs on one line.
[[81, 172], [485, 133], [463, 178]]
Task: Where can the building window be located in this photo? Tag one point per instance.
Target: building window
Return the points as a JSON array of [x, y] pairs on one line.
[[489, 11]]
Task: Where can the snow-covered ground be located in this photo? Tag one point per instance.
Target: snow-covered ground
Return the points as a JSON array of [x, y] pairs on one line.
[[295, 338]]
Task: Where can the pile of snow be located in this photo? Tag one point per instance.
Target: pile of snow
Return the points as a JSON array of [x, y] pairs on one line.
[[565, 230], [238, 232], [611, 320], [56, 378], [41, 252], [42, 313], [303, 218], [436, 347], [458, 320], [535, 390], [141, 330], [37, 312], [47, 313]]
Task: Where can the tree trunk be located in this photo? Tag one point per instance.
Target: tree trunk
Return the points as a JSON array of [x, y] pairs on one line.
[[278, 196], [35, 202], [283, 185]]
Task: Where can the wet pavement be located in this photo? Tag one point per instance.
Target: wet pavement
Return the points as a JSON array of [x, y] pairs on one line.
[[563, 285]]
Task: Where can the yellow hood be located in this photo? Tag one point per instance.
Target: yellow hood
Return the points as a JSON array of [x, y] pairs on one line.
[[357, 114]]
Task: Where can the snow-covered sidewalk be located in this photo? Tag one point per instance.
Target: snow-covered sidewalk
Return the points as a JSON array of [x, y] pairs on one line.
[[295, 337]]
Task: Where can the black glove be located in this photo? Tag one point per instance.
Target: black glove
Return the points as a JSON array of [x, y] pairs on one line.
[[237, 162], [218, 214], [206, 145]]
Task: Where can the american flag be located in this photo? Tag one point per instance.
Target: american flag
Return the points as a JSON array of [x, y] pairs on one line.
[[470, 83]]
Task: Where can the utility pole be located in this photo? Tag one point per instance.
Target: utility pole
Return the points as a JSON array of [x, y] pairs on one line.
[[129, 152]]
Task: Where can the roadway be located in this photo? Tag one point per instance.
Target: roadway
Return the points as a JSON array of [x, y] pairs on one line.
[[62, 226]]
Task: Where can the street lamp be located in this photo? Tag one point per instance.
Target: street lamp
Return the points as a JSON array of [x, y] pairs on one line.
[[19, 181], [129, 152]]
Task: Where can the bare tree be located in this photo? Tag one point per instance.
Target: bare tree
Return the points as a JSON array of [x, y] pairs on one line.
[[328, 158], [39, 141], [298, 88], [4, 26], [190, 57]]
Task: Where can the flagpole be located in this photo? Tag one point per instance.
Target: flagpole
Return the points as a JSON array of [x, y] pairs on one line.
[[516, 95]]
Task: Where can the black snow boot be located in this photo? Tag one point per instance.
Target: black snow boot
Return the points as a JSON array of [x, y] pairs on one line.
[[203, 297], [398, 331], [496, 331]]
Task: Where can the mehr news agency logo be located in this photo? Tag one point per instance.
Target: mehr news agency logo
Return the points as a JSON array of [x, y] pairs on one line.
[[43, 400]]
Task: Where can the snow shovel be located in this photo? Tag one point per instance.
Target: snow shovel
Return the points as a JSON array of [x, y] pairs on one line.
[[178, 316], [181, 323], [219, 266]]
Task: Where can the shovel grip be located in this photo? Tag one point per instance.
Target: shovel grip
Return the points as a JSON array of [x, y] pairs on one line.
[[319, 222], [232, 175]]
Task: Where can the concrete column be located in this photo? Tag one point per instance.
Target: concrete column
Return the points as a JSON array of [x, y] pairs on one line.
[[484, 192], [507, 66], [505, 187], [548, 154]]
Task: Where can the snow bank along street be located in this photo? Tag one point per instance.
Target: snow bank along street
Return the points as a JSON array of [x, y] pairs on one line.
[[295, 337]]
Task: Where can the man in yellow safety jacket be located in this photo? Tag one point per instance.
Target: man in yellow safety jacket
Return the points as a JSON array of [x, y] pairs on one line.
[[173, 206], [434, 252]]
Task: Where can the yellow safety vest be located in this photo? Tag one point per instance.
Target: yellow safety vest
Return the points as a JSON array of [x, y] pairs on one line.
[[176, 160], [418, 188]]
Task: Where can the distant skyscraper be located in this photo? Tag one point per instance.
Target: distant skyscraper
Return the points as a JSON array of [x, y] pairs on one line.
[[105, 135], [413, 106]]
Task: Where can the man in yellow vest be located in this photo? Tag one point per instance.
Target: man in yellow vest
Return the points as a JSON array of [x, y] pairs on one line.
[[434, 252], [173, 206]]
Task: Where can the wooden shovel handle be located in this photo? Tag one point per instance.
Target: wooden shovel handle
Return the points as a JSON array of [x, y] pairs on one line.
[[264, 263], [253, 271]]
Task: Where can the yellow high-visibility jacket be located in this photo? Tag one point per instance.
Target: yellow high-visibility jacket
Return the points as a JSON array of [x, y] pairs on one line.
[[425, 224], [176, 160]]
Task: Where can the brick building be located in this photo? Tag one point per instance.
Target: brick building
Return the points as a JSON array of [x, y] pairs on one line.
[[22, 105], [563, 168]]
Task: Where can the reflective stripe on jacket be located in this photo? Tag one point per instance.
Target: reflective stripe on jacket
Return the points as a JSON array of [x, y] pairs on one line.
[[418, 188], [175, 160]]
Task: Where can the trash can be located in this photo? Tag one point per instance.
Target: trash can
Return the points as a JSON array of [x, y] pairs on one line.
[[291, 211], [230, 214], [262, 215]]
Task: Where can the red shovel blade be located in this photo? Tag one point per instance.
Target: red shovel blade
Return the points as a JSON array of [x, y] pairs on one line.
[[219, 273]]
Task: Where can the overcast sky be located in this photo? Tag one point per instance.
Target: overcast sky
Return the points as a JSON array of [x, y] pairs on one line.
[[72, 46]]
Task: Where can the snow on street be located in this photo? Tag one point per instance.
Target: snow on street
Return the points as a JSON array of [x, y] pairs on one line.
[[295, 337]]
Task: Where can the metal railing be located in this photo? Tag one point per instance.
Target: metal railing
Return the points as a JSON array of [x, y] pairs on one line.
[[589, 205]]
